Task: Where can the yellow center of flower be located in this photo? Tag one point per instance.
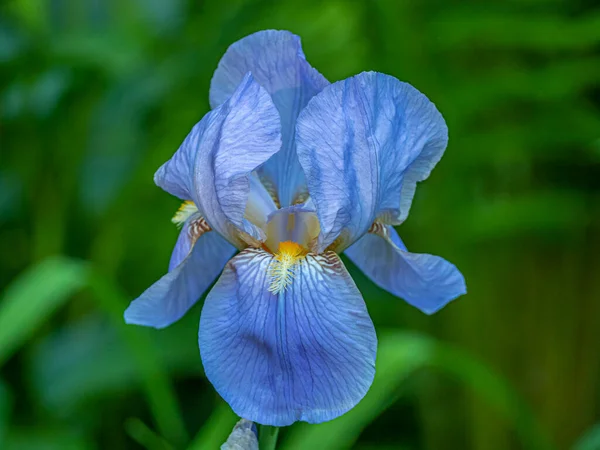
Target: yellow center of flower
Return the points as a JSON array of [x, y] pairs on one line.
[[283, 267], [186, 209]]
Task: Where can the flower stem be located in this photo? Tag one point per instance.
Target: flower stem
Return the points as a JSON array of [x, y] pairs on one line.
[[267, 437]]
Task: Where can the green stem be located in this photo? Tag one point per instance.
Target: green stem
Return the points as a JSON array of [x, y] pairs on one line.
[[267, 437]]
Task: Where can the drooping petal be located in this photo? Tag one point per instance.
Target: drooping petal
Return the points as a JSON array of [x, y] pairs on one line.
[[214, 164], [425, 281], [355, 142], [192, 229], [277, 62], [306, 354], [196, 261]]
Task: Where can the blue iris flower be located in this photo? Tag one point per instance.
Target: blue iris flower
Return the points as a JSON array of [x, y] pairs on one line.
[[289, 171]]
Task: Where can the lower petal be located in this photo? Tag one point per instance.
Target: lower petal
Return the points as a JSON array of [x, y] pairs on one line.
[[306, 354], [167, 300], [427, 282]]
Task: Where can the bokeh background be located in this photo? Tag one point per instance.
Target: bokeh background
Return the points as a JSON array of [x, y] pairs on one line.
[[96, 94]]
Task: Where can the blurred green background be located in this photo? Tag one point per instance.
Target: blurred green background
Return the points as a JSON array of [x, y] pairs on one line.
[[96, 94]]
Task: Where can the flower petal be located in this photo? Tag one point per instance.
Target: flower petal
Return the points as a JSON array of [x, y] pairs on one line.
[[195, 263], [355, 141], [214, 164], [243, 437], [425, 281], [277, 62], [419, 170], [260, 203], [307, 354]]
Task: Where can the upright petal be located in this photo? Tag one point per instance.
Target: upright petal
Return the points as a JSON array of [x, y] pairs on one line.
[[260, 203], [425, 281], [355, 141], [307, 354], [197, 260], [277, 62], [214, 164], [418, 170]]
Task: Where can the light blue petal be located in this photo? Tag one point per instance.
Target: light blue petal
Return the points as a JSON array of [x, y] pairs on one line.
[[307, 354], [419, 170], [243, 437], [425, 281], [214, 164], [195, 264], [355, 141], [277, 62], [176, 176], [185, 241], [260, 203]]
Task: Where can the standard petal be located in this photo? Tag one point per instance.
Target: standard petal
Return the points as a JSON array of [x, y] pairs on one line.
[[176, 175], [195, 263], [425, 281], [277, 62], [418, 170], [355, 141], [214, 164], [260, 203], [307, 354]]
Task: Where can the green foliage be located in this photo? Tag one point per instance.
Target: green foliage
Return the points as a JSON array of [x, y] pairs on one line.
[[33, 297], [399, 357], [87, 359], [94, 96], [5, 409], [590, 440], [267, 437], [216, 429]]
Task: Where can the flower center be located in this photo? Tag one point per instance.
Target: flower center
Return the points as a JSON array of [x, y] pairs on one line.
[[293, 225], [283, 267]]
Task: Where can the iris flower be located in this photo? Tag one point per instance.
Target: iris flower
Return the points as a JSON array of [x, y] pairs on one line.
[[283, 175]]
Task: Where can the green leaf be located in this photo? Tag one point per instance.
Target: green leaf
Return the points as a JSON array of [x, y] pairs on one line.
[[6, 400], [46, 439], [215, 430], [267, 437], [87, 359], [159, 390], [40, 290], [590, 440], [33, 297], [140, 433], [495, 390], [399, 356]]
